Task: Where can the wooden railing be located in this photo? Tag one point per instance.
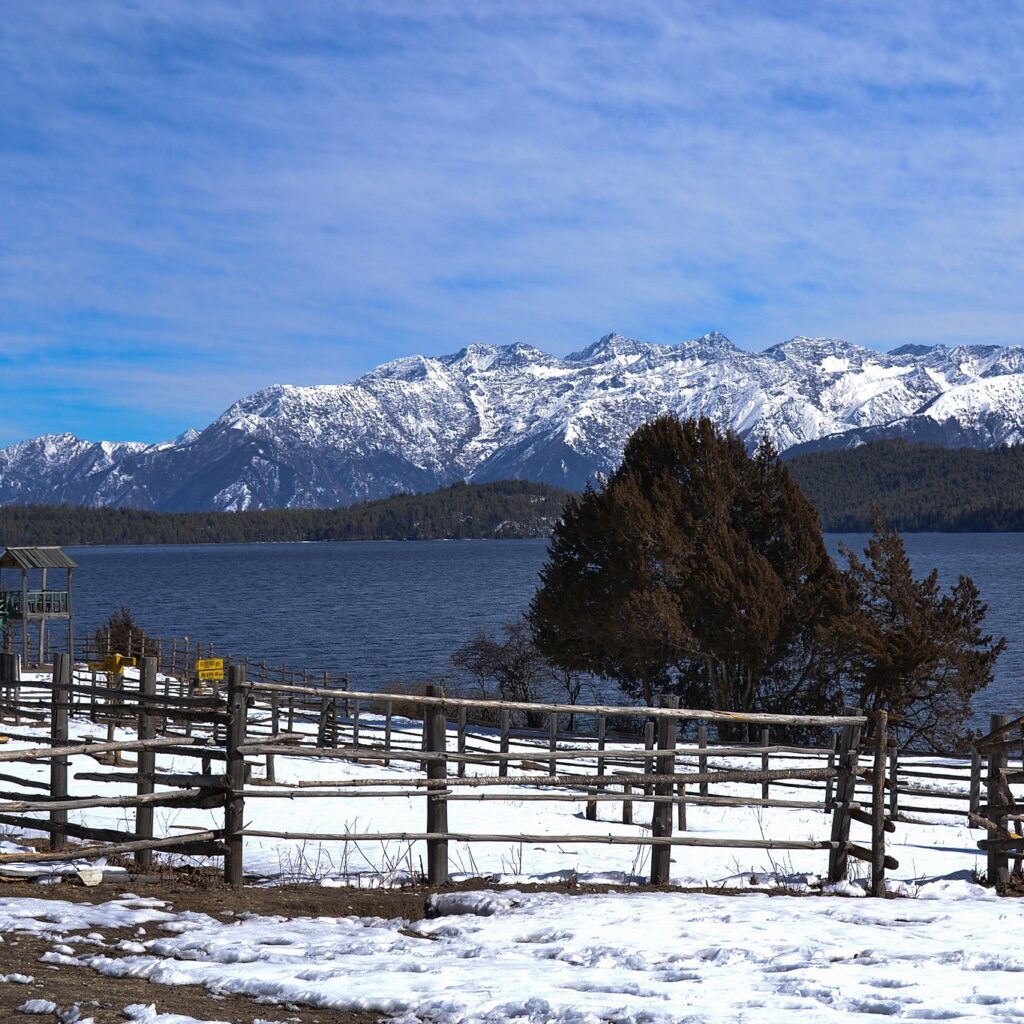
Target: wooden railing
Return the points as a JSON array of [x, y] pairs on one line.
[[448, 761]]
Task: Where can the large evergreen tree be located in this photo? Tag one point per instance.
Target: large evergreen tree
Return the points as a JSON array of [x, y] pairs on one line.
[[695, 566]]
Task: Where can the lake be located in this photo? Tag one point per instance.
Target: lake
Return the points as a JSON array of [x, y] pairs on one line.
[[395, 611]]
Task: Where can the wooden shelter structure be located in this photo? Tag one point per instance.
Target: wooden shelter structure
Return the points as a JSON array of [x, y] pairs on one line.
[[39, 605]]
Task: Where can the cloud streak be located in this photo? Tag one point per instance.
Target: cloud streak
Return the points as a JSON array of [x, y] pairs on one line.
[[200, 200]]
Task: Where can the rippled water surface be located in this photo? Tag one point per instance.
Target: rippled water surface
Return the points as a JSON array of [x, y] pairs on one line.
[[384, 611]]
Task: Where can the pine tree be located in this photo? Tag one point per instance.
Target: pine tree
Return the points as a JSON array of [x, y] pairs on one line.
[[910, 649], [695, 567]]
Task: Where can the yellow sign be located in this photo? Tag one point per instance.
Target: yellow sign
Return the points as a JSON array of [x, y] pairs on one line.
[[210, 669], [112, 664]]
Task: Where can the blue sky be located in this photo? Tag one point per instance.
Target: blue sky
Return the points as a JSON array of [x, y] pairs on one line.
[[201, 199]]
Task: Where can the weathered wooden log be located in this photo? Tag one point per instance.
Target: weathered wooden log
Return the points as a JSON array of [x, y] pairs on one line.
[[102, 835], [437, 809], [963, 776], [863, 853], [754, 718], [234, 801], [172, 844], [609, 840], [992, 825], [846, 784], [377, 754], [182, 780], [867, 818], [661, 820], [59, 738], [998, 866], [894, 764], [146, 763], [45, 753], [1002, 846], [602, 725], [185, 798], [26, 783], [879, 861], [583, 781]]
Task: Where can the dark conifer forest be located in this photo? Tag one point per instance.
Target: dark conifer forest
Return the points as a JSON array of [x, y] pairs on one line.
[[510, 508], [915, 487]]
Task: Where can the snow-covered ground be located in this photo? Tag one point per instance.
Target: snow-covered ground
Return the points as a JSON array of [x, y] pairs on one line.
[[952, 953]]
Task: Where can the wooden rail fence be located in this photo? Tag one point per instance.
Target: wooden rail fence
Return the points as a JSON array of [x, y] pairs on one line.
[[448, 761]]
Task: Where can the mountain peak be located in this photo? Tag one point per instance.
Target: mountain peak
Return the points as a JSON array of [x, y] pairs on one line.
[[611, 346]]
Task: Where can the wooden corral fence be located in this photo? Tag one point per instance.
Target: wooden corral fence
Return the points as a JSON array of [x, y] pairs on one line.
[[449, 761], [52, 701], [999, 813]]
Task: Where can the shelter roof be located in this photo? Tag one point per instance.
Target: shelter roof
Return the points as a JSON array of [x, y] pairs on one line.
[[36, 558]]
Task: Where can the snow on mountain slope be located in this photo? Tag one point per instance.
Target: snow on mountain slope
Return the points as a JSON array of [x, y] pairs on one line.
[[489, 412]]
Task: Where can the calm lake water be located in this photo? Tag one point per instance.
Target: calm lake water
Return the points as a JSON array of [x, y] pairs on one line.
[[395, 611]]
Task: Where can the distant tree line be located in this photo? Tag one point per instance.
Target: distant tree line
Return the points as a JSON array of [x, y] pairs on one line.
[[508, 508], [915, 487]]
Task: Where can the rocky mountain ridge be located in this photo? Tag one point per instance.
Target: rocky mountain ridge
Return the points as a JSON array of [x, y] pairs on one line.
[[515, 412]]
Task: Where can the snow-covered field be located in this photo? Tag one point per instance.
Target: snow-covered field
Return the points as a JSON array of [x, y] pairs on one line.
[[949, 950], [952, 953]]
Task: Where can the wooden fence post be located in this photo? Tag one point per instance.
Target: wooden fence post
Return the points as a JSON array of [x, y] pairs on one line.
[[878, 804], [602, 726], [11, 678], [552, 741], [437, 804], [766, 736], [59, 738], [702, 759], [463, 719], [506, 727], [627, 804], [145, 759], [389, 710], [648, 761], [234, 802], [998, 860], [975, 799], [661, 818], [830, 782], [846, 784], [894, 778], [275, 729]]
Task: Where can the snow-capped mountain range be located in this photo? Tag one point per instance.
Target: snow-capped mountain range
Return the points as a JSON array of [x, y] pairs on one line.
[[497, 412]]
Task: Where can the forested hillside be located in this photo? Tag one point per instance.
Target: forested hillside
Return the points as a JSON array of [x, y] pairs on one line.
[[512, 508], [917, 487]]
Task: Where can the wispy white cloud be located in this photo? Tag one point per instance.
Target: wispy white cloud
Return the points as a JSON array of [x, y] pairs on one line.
[[199, 200]]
